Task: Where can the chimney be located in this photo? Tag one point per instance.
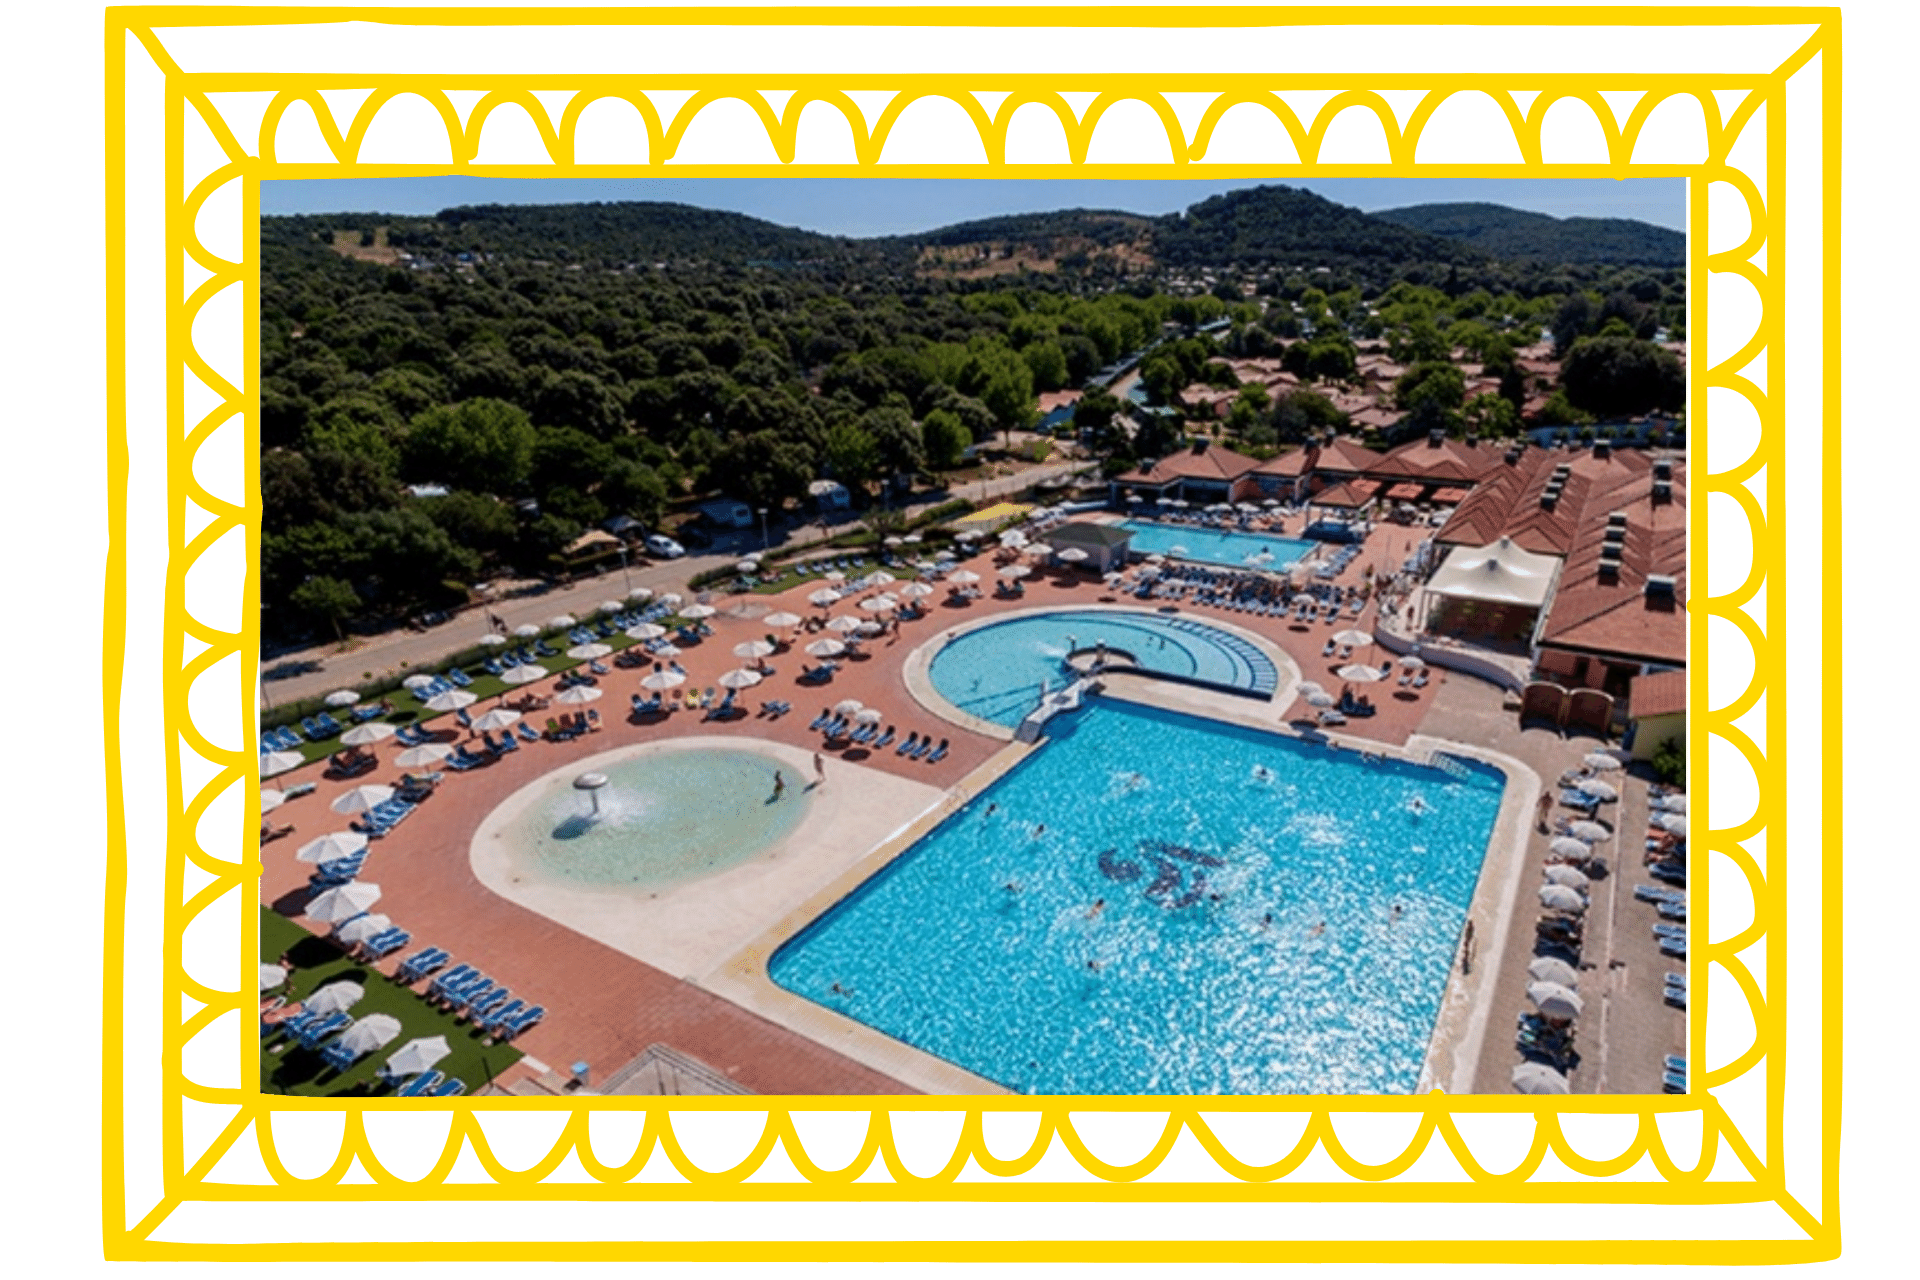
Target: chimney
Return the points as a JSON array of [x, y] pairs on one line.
[[1610, 564], [1663, 491], [1199, 446], [1663, 468], [1435, 437], [1549, 499], [1603, 448], [1513, 456], [1660, 588]]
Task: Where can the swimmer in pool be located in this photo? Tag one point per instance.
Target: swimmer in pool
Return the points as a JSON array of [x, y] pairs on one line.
[[1317, 930], [1418, 806], [1397, 909], [838, 990], [1039, 831], [1099, 905], [1011, 886], [991, 809], [1093, 964]]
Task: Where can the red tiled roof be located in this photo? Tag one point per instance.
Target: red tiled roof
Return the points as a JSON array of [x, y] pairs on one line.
[[1348, 455], [1663, 693], [1051, 400], [1614, 614], [1403, 492], [1201, 462], [1449, 494], [1344, 494], [1450, 461]]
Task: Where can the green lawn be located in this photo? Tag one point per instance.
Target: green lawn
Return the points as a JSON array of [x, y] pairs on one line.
[[316, 963]]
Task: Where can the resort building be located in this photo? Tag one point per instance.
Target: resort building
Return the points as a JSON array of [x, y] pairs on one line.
[[1310, 472], [1202, 473], [1104, 546], [1656, 712]]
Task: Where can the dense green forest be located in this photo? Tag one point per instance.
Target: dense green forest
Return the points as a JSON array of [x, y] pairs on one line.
[[1519, 234], [552, 366]]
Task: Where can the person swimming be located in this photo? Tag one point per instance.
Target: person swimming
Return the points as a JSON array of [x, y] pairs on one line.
[[1099, 905], [1419, 807], [1317, 929]]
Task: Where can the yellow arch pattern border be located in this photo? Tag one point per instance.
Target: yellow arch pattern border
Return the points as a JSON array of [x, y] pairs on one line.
[[1730, 1167]]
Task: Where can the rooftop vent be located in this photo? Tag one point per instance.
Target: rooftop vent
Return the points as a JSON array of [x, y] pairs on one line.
[[1660, 586], [1663, 468], [1616, 519], [1436, 437], [1663, 491], [1513, 455], [1549, 499], [1609, 568], [1603, 448]]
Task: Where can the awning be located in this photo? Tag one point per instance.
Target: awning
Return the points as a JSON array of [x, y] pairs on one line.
[[1501, 573]]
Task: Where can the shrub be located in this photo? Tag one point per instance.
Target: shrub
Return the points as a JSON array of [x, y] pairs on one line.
[[1670, 762]]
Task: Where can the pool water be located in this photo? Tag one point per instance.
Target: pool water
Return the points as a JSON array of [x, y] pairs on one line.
[[664, 818], [995, 672], [1229, 548], [1206, 909]]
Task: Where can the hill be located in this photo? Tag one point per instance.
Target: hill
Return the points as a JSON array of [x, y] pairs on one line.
[[1519, 234], [1289, 227]]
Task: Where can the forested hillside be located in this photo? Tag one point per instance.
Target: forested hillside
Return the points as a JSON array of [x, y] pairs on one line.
[[1517, 233]]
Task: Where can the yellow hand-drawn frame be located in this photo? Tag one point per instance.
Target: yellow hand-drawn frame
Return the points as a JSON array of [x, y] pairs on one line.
[[200, 1130]]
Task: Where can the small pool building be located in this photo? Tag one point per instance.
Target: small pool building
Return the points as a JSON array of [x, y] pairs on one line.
[[1105, 545]]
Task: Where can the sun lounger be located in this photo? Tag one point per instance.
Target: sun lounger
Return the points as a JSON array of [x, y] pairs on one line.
[[1676, 979], [451, 1088], [939, 753], [1675, 996], [913, 740], [926, 745], [1676, 1064], [479, 1010], [385, 944], [417, 1087], [884, 740], [421, 964], [525, 1022], [499, 1018], [1671, 1083], [325, 1029], [450, 979]]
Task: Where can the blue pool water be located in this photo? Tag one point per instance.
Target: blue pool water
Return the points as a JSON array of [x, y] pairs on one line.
[[987, 943], [995, 672], [1216, 546]]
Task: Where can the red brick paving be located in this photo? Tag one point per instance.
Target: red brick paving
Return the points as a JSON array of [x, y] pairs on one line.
[[605, 1007]]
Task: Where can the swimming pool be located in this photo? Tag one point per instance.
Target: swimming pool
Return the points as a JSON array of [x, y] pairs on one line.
[[663, 819], [1230, 548], [995, 671], [1152, 903]]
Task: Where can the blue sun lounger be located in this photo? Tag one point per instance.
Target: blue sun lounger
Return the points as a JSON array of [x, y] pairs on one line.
[[421, 964], [419, 1086]]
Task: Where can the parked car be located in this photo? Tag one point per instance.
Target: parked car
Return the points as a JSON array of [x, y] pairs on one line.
[[658, 544]]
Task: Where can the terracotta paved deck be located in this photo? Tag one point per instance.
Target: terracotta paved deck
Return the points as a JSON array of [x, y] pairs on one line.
[[605, 1007]]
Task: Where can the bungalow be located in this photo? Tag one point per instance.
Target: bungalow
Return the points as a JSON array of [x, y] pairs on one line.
[[1656, 712]]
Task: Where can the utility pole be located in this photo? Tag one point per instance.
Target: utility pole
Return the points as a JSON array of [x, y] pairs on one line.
[[766, 542]]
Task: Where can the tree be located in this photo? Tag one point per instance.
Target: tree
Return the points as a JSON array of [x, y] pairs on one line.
[[325, 598], [1622, 377], [482, 445], [1251, 408], [1303, 412], [1047, 362], [851, 455], [945, 439], [1558, 411], [359, 426], [1432, 394], [1492, 415], [895, 438]]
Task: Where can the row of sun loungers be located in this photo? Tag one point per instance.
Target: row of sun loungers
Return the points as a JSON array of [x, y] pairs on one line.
[[383, 817], [470, 995]]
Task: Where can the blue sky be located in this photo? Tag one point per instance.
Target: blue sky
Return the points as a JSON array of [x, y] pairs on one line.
[[891, 206]]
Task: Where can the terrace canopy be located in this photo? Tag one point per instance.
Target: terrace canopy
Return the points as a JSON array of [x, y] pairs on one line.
[[1495, 591]]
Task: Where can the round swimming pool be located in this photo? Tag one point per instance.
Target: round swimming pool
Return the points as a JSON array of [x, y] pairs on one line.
[[996, 671], [662, 819]]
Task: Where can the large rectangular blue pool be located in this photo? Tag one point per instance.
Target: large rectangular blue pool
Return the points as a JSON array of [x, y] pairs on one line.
[[1153, 903], [1227, 547]]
